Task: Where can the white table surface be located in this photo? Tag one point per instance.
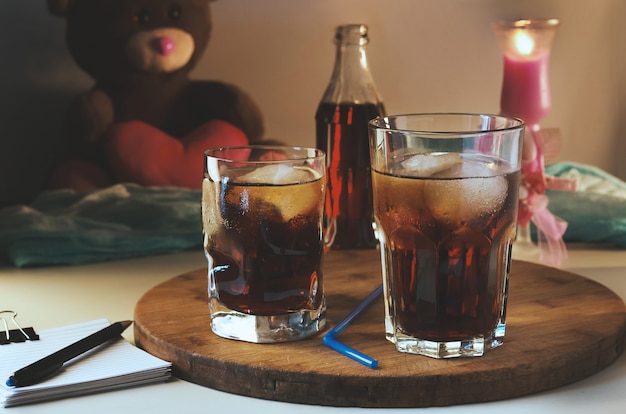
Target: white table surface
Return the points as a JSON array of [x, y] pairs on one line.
[[53, 296]]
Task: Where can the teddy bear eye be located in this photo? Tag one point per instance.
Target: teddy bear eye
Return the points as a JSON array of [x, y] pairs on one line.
[[142, 16], [174, 12]]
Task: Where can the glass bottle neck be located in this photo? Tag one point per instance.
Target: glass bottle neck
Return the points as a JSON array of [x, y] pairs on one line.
[[351, 80]]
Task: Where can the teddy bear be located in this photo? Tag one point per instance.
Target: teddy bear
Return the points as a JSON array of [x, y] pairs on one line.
[[145, 121]]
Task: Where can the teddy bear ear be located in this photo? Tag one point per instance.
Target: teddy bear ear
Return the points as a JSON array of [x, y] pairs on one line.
[[59, 7]]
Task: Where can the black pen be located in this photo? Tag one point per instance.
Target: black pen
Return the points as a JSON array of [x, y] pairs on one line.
[[39, 370]]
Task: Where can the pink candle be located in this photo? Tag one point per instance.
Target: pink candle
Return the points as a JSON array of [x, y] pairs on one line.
[[525, 87], [526, 49]]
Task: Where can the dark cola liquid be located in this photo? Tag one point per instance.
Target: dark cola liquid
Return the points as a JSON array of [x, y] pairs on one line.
[[447, 246], [342, 132], [266, 256]]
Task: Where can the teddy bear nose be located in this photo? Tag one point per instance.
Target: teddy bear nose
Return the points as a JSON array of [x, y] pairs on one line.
[[164, 45]]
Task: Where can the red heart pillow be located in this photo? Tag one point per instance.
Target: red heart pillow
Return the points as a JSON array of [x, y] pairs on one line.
[[140, 153]]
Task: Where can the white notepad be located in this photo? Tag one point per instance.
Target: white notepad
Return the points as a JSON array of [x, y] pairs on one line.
[[116, 364]]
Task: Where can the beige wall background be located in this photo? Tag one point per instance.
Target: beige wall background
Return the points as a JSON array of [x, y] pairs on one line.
[[425, 55]]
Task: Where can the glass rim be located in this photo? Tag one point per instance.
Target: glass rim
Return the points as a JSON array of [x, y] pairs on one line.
[[315, 153], [519, 123], [534, 23]]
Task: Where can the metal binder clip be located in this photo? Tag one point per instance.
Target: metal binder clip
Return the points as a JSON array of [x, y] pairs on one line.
[[15, 335]]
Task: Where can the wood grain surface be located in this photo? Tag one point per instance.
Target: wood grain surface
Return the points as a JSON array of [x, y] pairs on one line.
[[561, 328]]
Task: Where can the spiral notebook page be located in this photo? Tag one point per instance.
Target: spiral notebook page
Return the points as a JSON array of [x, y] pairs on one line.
[[115, 364]]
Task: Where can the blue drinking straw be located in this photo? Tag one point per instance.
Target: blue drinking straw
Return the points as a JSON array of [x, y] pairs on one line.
[[330, 341]]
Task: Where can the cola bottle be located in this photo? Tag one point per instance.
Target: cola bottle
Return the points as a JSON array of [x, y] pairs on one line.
[[350, 101]]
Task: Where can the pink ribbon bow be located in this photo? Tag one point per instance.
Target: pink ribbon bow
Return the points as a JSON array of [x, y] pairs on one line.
[[533, 205]]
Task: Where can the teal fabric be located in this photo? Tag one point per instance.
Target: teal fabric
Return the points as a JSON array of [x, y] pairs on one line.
[[126, 220], [122, 221], [596, 211]]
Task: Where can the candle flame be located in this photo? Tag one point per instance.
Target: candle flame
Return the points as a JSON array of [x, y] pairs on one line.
[[524, 43]]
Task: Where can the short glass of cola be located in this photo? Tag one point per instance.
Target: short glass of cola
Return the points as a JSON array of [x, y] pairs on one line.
[[262, 209]]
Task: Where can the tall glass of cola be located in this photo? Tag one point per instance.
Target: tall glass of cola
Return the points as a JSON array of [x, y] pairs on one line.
[[445, 204]]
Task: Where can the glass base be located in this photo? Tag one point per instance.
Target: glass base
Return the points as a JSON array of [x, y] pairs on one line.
[[232, 324], [450, 349]]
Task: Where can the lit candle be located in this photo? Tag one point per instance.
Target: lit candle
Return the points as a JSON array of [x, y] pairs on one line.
[[526, 49]]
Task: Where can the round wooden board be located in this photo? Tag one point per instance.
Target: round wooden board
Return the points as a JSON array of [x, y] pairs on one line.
[[561, 328]]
